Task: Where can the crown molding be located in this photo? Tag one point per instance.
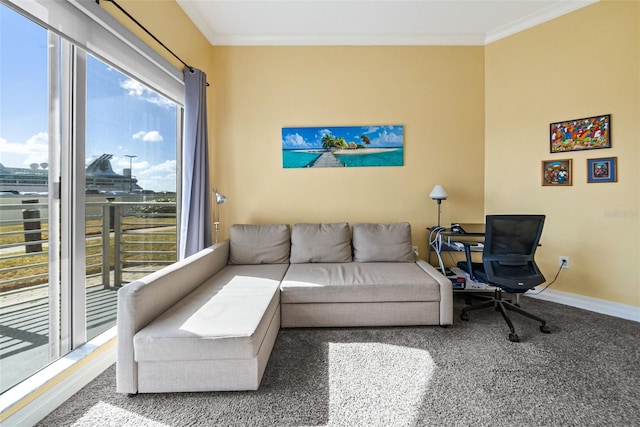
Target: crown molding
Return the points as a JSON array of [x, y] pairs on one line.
[[414, 39], [347, 40], [534, 19]]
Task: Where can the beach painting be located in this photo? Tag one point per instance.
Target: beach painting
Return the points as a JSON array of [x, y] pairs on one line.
[[342, 146]]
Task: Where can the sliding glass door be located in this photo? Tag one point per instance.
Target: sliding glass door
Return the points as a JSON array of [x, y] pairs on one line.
[[88, 192]]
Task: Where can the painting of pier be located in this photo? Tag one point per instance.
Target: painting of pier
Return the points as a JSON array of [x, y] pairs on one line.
[[342, 146]]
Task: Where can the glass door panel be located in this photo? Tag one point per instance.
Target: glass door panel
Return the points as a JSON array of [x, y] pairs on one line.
[[29, 226], [131, 151]]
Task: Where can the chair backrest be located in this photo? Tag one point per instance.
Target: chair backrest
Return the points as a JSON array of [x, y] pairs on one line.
[[510, 245]]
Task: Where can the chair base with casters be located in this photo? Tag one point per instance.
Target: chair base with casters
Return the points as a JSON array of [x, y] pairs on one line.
[[503, 305]]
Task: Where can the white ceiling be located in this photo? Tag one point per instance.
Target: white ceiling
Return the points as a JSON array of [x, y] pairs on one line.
[[372, 22]]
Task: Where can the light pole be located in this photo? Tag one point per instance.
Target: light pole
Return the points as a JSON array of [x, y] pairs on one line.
[[131, 157]]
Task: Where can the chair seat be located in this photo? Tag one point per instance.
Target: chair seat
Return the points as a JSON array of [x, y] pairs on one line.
[[481, 276]]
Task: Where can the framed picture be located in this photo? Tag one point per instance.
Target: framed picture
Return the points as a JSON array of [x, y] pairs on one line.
[[602, 170], [343, 146], [581, 134], [557, 172]]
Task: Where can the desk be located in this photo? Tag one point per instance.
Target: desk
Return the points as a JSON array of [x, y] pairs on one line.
[[443, 239]]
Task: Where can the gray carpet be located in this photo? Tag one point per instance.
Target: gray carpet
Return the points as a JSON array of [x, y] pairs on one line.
[[585, 373]]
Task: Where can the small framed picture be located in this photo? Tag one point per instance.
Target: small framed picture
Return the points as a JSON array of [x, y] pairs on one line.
[[602, 170], [557, 172]]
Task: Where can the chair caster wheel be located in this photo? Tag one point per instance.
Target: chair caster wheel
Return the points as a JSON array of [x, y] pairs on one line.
[[464, 316], [545, 329], [514, 338]]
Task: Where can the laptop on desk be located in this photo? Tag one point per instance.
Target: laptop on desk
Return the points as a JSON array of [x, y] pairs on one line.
[[469, 229]]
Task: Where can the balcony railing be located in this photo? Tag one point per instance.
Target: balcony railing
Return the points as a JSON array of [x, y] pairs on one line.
[[124, 240]]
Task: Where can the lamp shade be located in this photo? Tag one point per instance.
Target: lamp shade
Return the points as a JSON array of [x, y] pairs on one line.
[[438, 193], [220, 199]]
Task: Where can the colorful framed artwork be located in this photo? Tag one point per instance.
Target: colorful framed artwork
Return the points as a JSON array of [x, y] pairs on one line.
[[343, 146], [557, 172], [581, 134], [602, 170]]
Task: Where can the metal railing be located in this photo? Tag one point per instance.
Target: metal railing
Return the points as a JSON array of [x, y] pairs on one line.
[[124, 241]]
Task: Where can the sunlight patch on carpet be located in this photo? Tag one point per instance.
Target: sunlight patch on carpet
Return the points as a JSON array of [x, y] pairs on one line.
[[376, 384], [102, 411]]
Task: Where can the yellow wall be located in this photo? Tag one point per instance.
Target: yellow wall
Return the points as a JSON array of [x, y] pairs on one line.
[[437, 93], [583, 64]]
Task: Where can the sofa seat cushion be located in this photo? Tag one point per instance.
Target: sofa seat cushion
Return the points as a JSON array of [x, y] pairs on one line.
[[357, 282], [225, 318]]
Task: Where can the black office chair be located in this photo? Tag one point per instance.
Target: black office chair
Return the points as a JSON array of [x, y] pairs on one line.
[[507, 264]]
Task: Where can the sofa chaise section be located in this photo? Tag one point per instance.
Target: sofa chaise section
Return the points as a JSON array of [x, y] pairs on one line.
[[204, 323], [220, 335]]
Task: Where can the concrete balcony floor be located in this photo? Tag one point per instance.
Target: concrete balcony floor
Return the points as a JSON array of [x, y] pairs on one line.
[[24, 328]]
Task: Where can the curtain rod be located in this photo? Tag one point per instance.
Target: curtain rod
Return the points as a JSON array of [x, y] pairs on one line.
[[128, 15]]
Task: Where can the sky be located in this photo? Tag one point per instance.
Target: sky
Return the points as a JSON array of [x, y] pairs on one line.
[[124, 117], [311, 137]]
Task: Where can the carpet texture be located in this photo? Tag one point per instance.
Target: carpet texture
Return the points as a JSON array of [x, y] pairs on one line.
[[585, 373]]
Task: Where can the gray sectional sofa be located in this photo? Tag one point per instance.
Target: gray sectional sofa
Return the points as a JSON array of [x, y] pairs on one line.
[[209, 322]]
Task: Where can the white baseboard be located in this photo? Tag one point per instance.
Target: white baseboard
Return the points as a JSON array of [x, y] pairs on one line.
[[615, 309], [35, 398]]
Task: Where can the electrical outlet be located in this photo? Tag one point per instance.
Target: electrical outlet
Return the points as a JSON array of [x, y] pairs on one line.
[[415, 250], [563, 261]]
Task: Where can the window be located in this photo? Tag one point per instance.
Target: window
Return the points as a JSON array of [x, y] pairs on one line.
[[88, 179]]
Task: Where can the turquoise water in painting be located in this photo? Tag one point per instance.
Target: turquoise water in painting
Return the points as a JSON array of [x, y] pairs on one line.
[[386, 158], [303, 159], [298, 158]]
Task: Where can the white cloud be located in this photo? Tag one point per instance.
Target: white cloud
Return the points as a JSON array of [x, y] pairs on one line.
[[133, 87], [167, 166], [294, 141], [137, 89], [34, 150], [323, 132], [151, 136], [120, 163], [387, 139], [160, 177], [371, 129]]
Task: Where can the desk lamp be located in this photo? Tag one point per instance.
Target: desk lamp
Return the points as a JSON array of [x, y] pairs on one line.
[[438, 194], [220, 199]]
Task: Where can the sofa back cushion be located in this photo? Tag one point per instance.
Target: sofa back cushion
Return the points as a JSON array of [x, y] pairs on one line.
[[382, 242], [320, 243], [259, 244]]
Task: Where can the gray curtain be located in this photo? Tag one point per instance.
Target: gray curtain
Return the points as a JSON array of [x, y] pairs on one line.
[[195, 218]]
